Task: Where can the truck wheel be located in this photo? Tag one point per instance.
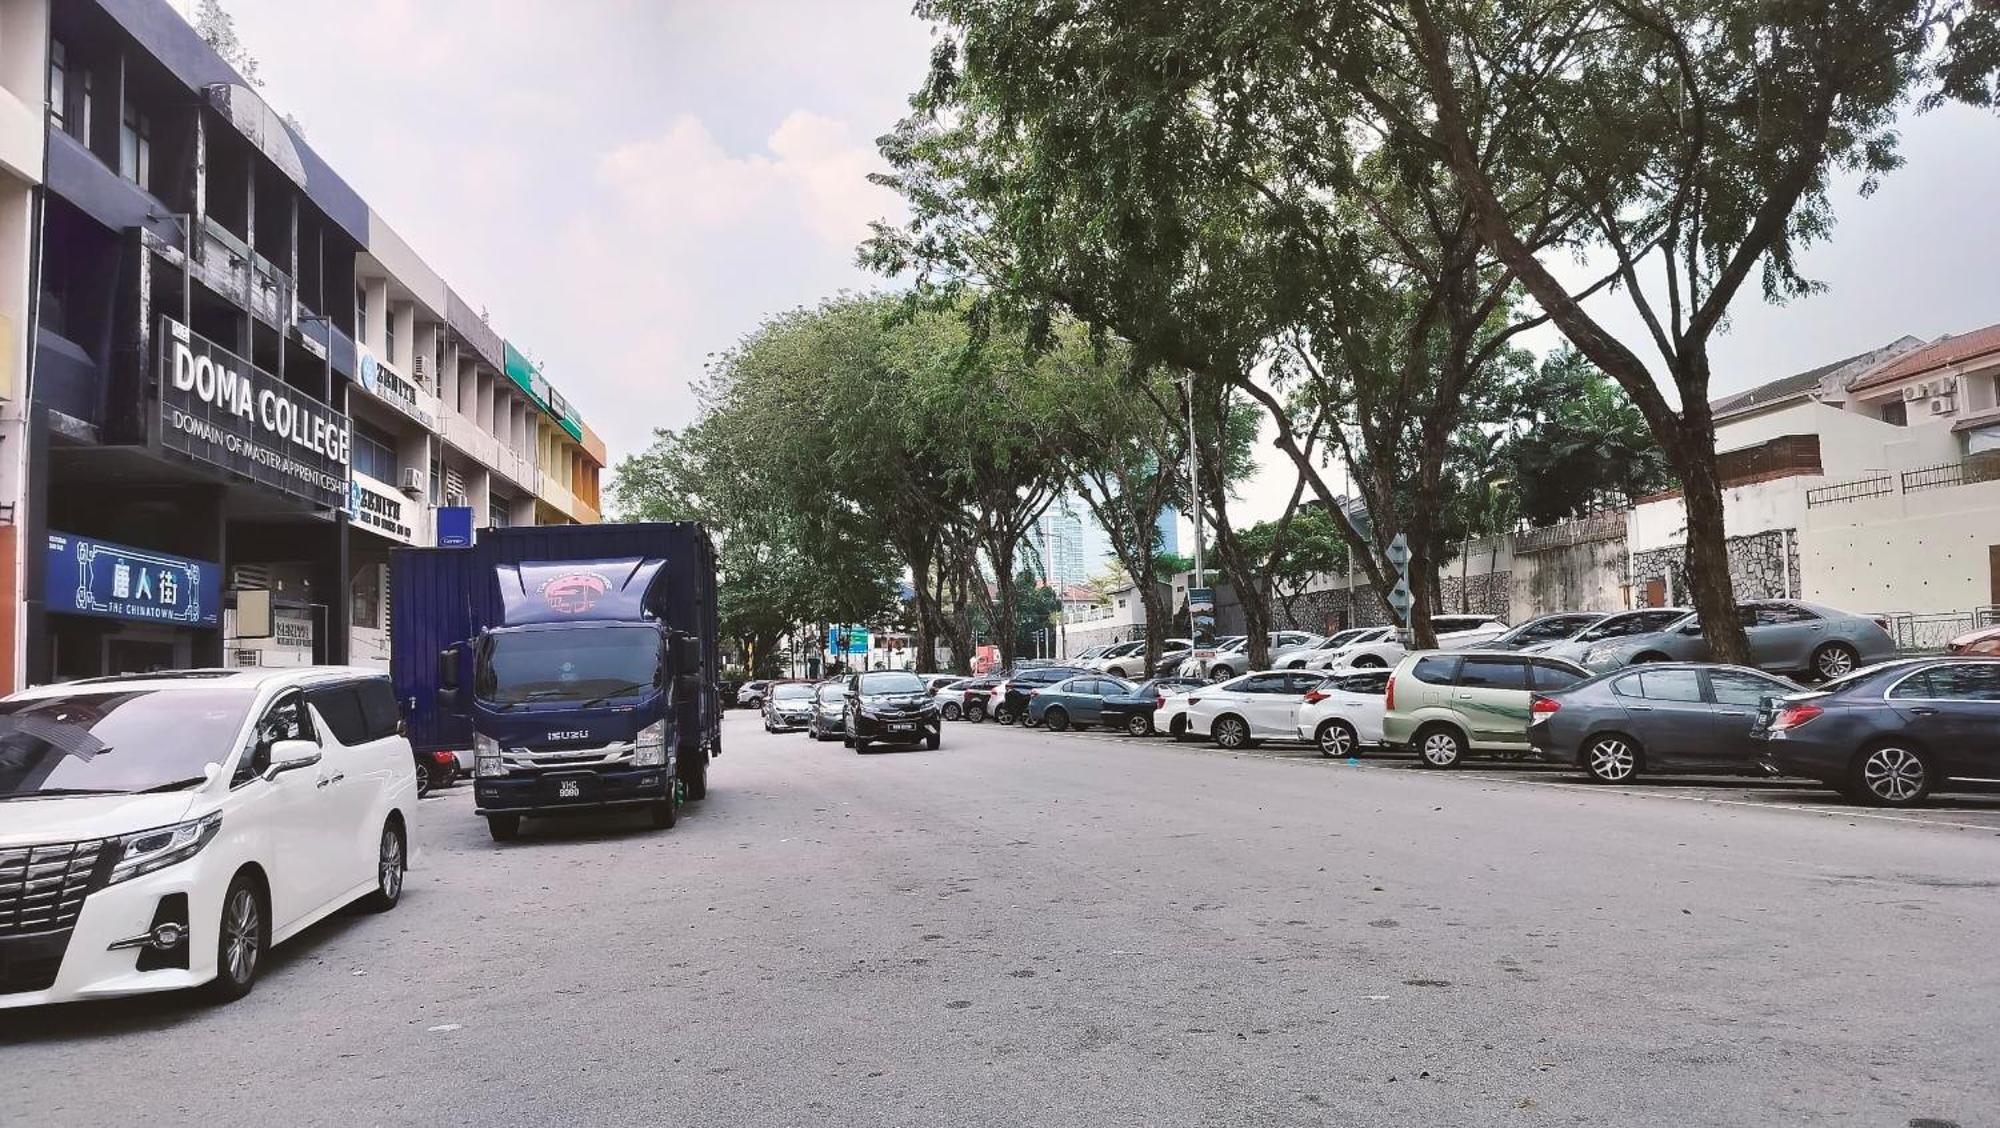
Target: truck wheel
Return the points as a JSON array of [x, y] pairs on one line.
[[694, 779], [503, 828], [665, 813]]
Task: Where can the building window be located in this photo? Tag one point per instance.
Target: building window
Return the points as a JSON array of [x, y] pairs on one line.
[[361, 315], [1896, 412], [58, 85], [499, 506], [374, 452], [388, 333], [437, 481], [135, 148]]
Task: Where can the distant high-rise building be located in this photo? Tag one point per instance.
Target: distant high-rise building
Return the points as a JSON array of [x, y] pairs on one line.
[[1169, 526], [1059, 540]]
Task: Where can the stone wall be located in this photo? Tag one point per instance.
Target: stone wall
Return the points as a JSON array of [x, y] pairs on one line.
[[1489, 593], [1761, 566]]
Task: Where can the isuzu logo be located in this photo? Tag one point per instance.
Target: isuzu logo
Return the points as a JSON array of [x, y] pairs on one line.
[[579, 734]]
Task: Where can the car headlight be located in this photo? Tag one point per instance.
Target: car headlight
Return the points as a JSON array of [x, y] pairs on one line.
[[486, 761], [1598, 655], [650, 750], [160, 847]]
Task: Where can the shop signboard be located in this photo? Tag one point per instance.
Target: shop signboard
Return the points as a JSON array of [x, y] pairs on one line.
[[454, 526], [86, 576], [379, 509], [1201, 618], [389, 386], [216, 408]]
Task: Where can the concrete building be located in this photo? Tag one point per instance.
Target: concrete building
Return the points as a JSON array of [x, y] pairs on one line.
[[1059, 540], [247, 389], [24, 72]]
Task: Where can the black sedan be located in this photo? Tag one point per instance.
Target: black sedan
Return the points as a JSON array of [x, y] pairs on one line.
[[890, 707], [1133, 711], [1891, 734], [1665, 717]]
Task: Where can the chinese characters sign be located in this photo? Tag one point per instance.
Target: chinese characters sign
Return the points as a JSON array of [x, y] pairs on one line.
[[94, 577]]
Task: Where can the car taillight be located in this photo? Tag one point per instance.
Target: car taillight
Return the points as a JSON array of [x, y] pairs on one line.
[[1034, 693], [1389, 693], [1539, 707], [1315, 697], [443, 757], [1792, 716], [1159, 700]]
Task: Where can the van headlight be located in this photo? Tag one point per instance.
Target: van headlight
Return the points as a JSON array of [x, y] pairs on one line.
[[650, 750], [160, 847], [486, 761]]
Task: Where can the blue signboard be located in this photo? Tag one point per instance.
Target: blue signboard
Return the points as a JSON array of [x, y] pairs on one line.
[[849, 640], [94, 577], [454, 526]]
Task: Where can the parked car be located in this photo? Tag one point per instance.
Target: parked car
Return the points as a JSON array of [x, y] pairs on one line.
[[1446, 705], [1296, 657], [1088, 655], [1343, 714], [1133, 664], [1785, 635], [1112, 653], [435, 769], [1234, 658], [1545, 628], [1007, 702], [1246, 710], [1328, 657], [1621, 624], [1170, 713], [828, 718], [1174, 653], [1226, 648], [890, 707], [1134, 711], [972, 699], [1669, 717], [944, 689], [1985, 640], [750, 694], [1890, 735], [788, 706], [1077, 701], [166, 830], [1454, 632]]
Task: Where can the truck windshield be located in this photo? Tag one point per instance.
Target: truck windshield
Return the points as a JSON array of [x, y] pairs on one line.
[[568, 665]]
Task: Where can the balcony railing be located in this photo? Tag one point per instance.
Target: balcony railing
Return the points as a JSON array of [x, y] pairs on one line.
[[1856, 490]]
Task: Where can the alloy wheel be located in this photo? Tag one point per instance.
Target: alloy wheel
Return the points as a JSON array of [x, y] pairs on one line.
[[1441, 749], [1833, 661], [1231, 733], [1894, 775], [1336, 740], [243, 933], [1138, 725], [1613, 760], [389, 875]]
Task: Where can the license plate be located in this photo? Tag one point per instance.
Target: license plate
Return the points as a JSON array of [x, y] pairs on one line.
[[902, 728], [569, 789]]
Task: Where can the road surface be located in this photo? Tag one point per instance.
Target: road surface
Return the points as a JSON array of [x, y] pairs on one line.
[[1030, 929]]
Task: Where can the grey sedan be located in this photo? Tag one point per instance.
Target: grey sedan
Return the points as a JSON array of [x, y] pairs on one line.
[[1623, 624], [1786, 635], [1673, 716]]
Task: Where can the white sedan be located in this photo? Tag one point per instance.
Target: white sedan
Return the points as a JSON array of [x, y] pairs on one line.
[[1242, 711], [1328, 657], [1344, 714], [1454, 632], [163, 831]]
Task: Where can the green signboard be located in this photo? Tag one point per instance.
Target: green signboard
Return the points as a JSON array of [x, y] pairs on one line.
[[529, 379]]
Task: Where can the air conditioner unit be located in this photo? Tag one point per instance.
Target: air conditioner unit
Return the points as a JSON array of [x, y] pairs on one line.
[[1940, 405], [1913, 392], [413, 481]]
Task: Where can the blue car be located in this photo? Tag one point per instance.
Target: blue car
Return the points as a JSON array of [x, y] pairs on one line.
[[1075, 701]]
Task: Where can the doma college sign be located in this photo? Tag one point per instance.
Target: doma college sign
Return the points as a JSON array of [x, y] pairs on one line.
[[216, 408]]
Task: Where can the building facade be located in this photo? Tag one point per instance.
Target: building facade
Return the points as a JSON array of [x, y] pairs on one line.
[[1059, 540], [244, 384]]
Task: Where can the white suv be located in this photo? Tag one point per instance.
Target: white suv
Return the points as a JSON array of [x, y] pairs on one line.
[[177, 825]]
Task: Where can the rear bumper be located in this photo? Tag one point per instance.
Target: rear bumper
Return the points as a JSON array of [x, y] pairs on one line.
[[541, 794], [1780, 756]]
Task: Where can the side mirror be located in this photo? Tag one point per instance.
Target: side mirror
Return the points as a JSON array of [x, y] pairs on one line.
[[447, 670], [683, 654], [1691, 629], [290, 756]]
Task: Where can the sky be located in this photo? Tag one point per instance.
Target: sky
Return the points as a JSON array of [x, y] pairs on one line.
[[631, 185]]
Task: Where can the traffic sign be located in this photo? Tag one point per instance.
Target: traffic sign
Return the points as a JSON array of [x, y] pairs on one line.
[[1400, 600], [1398, 553]]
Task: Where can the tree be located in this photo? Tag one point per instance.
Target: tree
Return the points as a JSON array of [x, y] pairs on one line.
[[1310, 548], [217, 28], [1695, 140], [1577, 444], [1034, 612]]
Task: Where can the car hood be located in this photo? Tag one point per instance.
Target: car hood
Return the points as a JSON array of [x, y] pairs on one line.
[[72, 818]]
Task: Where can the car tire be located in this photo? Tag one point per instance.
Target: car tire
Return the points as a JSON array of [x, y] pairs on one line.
[[1440, 746], [1230, 732], [1647, 657], [1138, 724], [859, 745], [424, 780], [950, 712], [1337, 740], [1219, 674], [1178, 729], [933, 740], [1003, 715], [1056, 718], [1891, 774], [975, 713], [243, 935], [1296, 666], [665, 814], [391, 863], [503, 828], [1369, 662], [1833, 660], [1611, 757]]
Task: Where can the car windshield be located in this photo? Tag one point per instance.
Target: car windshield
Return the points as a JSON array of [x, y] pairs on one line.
[[567, 665], [891, 681], [832, 691], [791, 691], [116, 740]]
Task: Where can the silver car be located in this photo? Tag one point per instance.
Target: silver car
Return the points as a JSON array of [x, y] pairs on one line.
[[1645, 620], [1785, 635]]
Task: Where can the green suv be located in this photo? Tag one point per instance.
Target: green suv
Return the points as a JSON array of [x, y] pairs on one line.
[[1447, 704]]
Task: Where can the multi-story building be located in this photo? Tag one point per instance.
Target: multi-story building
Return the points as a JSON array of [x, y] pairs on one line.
[[24, 37], [247, 388], [1059, 540]]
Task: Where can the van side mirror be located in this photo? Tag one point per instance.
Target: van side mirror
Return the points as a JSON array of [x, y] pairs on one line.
[[290, 756]]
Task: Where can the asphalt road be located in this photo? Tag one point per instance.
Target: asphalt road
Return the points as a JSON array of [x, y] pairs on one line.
[[1026, 929]]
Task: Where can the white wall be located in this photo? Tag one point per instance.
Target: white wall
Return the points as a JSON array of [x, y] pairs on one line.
[[1922, 551], [1851, 445]]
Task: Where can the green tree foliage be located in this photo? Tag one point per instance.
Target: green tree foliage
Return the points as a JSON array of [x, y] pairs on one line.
[[1578, 445], [217, 28], [1308, 548], [1034, 612]]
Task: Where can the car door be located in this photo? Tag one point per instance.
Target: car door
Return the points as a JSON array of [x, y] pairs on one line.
[[1953, 710], [1085, 698], [352, 772], [1671, 717], [1739, 696], [1264, 705], [304, 823], [1358, 699], [1492, 696]]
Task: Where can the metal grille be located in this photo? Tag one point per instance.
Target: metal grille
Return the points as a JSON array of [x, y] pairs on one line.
[[42, 887], [1850, 491]]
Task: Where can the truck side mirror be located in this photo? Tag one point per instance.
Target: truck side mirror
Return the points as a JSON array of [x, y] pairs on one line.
[[447, 670], [684, 654]]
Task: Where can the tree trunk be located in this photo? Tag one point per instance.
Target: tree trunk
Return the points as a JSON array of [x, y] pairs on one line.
[[1708, 554], [1158, 613]]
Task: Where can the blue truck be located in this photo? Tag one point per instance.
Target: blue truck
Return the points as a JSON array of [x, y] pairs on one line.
[[578, 663]]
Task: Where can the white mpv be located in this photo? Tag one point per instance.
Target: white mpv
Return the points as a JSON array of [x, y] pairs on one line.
[[163, 831]]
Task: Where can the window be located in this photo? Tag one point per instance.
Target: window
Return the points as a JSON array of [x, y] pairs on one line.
[[389, 333], [378, 707], [340, 707], [1670, 685], [1435, 670], [1493, 673], [285, 720], [135, 147], [1958, 681], [1263, 683], [58, 85], [1776, 614], [1375, 683], [437, 482], [374, 451], [497, 516], [1732, 688], [1550, 676], [1896, 412], [1628, 687], [1303, 681], [360, 314]]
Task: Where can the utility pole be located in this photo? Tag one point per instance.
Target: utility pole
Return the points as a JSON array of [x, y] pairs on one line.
[[1194, 482]]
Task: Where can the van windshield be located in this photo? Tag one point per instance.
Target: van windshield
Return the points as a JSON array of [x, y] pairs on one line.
[[567, 665], [116, 741]]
